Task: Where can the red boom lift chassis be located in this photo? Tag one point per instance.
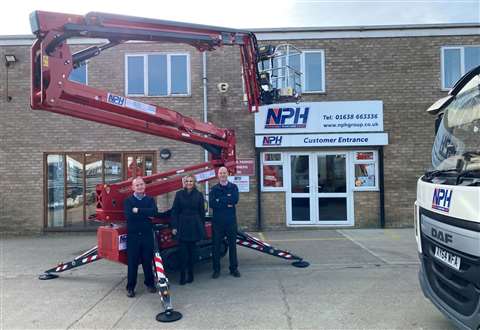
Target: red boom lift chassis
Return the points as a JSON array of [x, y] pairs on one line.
[[52, 62]]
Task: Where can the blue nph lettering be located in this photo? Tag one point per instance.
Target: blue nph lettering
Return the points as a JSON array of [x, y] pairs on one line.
[[442, 197], [116, 99]]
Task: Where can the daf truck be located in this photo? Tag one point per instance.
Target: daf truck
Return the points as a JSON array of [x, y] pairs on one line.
[[447, 209]]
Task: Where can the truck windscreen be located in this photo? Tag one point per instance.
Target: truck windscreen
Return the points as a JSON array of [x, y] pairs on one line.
[[457, 143]]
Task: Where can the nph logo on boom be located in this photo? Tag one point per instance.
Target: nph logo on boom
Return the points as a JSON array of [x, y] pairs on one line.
[[287, 117], [441, 199], [116, 99]]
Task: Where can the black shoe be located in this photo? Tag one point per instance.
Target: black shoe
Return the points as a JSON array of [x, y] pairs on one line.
[[190, 277], [216, 274], [151, 289], [130, 293], [235, 273]]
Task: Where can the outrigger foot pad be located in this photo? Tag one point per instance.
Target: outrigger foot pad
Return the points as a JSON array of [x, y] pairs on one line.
[[300, 264], [169, 316], [47, 276]]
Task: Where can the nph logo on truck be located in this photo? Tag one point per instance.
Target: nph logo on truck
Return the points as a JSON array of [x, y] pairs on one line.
[[441, 199]]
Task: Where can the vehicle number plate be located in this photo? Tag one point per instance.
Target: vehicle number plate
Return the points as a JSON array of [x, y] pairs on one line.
[[447, 257]]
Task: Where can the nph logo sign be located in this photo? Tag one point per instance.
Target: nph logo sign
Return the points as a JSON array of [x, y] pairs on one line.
[[441, 199], [287, 117], [116, 99], [272, 140]]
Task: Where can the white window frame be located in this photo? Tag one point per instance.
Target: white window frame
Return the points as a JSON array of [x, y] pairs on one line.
[[272, 162], [462, 62], [367, 161], [145, 74], [322, 52], [86, 75]]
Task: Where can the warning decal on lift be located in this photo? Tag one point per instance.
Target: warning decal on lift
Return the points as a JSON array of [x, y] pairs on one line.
[[205, 175]]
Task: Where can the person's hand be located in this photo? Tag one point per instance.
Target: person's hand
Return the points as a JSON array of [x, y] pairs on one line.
[[135, 210], [174, 231]]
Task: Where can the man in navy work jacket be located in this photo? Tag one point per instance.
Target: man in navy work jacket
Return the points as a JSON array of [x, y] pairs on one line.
[[222, 199], [138, 209]]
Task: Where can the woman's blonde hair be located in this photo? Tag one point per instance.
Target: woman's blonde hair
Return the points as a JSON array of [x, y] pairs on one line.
[[189, 176]]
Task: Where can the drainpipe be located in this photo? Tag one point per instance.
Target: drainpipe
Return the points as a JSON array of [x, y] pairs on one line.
[[205, 114], [382, 187], [259, 202]]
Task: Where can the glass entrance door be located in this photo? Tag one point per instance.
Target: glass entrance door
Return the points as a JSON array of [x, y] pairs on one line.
[[299, 201], [332, 195], [318, 189]]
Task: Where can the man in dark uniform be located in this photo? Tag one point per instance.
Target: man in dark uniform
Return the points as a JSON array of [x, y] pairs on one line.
[[138, 208], [222, 198]]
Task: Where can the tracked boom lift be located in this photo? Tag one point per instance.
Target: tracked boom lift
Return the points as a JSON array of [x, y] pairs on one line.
[[52, 62]]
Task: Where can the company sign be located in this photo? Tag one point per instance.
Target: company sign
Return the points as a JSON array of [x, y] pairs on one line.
[[287, 117], [321, 140], [320, 117]]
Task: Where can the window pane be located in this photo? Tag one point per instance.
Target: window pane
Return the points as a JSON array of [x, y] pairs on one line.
[[273, 157], [451, 69], [273, 176], [301, 209], [75, 190], [113, 168], [332, 209], [93, 176], [365, 175], [472, 58], [55, 190], [295, 69], [157, 75], [332, 173], [135, 166], [135, 75], [79, 75], [148, 165], [313, 71], [300, 174], [179, 74]]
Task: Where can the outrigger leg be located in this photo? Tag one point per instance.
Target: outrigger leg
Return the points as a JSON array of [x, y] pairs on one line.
[[246, 240], [83, 259], [169, 315]]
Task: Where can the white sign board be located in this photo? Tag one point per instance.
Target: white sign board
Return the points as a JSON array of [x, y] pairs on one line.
[[242, 182], [321, 140], [320, 117]]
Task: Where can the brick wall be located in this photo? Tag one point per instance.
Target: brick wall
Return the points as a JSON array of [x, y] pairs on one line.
[[367, 209], [405, 74], [402, 72]]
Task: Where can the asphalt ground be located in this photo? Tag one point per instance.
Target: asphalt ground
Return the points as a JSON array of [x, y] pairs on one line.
[[357, 279]]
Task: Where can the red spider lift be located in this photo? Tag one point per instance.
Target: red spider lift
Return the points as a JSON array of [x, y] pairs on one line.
[[51, 64]]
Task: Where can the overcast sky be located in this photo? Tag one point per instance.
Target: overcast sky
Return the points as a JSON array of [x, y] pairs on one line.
[[256, 13]]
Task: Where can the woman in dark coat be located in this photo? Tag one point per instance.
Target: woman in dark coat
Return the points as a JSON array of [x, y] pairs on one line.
[[188, 218]]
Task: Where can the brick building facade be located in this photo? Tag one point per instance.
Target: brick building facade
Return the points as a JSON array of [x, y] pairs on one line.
[[400, 66]]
